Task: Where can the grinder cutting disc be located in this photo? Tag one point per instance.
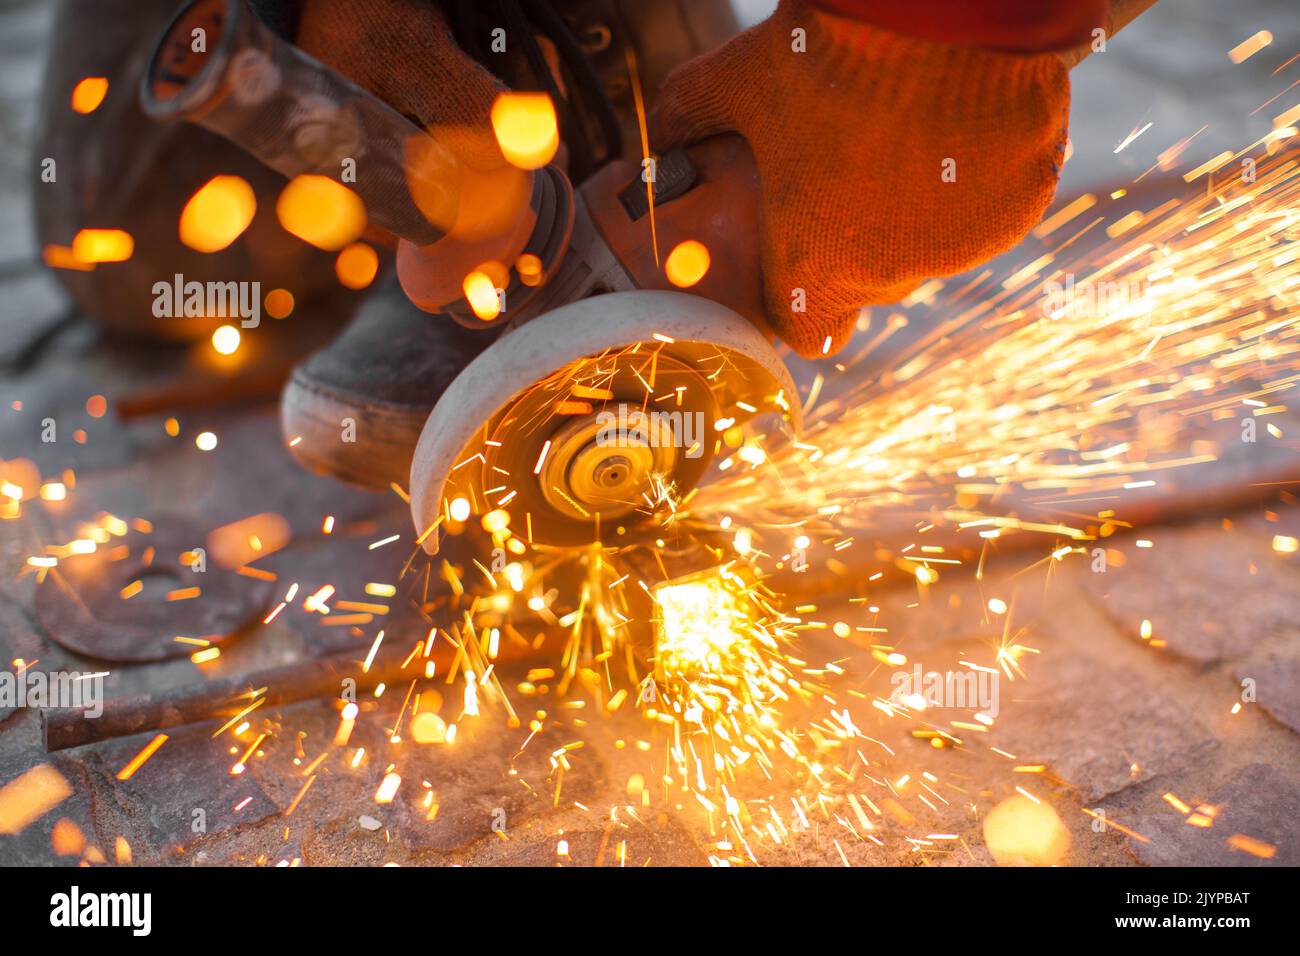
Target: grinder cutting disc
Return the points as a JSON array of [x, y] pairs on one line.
[[80, 604], [595, 418]]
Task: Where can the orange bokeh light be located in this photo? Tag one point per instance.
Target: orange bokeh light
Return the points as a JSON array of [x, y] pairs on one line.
[[225, 340], [1021, 831], [357, 265], [482, 295], [429, 728], [321, 212], [278, 303], [62, 257], [529, 268], [687, 264], [89, 93], [526, 128], [102, 245], [217, 214]]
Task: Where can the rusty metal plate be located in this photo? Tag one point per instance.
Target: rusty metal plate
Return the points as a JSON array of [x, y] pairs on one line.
[[131, 598]]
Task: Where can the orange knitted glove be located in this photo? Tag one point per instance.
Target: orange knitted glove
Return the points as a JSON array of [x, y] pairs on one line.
[[884, 160], [402, 51]]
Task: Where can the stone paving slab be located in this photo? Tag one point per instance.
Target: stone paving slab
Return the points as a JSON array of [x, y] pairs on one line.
[[1277, 689], [658, 842], [1260, 801], [1211, 594], [34, 846], [175, 802], [451, 797], [1119, 730]]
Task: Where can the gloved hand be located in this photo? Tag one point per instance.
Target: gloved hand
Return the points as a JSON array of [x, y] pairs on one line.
[[402, 51], [884, 160]]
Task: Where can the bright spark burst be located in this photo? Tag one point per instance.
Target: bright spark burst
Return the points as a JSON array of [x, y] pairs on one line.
[[1085, 375]]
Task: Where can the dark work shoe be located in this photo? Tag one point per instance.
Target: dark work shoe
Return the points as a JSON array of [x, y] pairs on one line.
[[355, 409]]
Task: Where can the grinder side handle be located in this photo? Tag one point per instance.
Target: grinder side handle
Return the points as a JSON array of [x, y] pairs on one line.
[[712, 198]]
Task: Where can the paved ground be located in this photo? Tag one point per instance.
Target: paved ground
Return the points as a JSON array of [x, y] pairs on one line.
[[1113, 719]]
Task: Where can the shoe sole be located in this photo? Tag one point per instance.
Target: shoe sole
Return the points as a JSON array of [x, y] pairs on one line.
[[313, 418]]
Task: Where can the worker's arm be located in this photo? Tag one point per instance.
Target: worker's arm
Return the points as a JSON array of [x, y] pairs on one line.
[[1120, 15], [1013, 26], [897, 143]]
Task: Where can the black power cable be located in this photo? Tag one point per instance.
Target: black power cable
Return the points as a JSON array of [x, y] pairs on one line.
[[473, 22]]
